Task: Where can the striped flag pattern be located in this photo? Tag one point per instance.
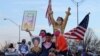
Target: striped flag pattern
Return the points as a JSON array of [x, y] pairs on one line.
[[79, 31], [47, 12]]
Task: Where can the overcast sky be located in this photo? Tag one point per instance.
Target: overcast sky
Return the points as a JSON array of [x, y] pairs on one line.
[[14, 9]]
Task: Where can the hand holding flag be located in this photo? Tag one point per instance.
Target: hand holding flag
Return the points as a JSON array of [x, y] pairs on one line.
[[48, 12]]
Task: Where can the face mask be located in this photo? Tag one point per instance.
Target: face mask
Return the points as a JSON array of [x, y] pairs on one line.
[[42, 34], [57, 33]]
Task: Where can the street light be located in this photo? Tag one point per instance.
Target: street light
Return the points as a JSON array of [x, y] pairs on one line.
[[77, 2], [15, 24]]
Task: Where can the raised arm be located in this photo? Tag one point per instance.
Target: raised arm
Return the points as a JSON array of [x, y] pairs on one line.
[[29, 32], [50, 13], [51, 17], [66, 17]]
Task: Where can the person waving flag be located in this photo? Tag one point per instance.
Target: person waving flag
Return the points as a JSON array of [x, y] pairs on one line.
[[49, 8]]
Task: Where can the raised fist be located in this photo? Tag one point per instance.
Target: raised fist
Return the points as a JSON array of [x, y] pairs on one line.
[[68, 12]]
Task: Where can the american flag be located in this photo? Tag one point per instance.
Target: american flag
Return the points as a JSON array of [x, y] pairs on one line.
[[79, 31], [49, 8]]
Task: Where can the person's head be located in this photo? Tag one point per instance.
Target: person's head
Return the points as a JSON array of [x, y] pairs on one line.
[[59, 20], [42, 33], [57, 32], [23, 41], [2, 54], [11, 45], [36, 41], [48, 37], [29, 43]]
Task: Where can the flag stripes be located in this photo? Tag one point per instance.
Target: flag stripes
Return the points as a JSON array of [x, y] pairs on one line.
[[79, 31], [49, 8]]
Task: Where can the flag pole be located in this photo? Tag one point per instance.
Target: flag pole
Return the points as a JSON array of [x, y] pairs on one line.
[[77, 14], [77, 3]]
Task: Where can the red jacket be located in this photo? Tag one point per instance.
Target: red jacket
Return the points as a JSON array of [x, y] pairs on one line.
[[61, 43]]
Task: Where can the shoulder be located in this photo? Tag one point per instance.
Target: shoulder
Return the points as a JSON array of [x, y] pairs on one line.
[[20, 45], [62, 36], [24, 45], [43, 44], [53, 43]]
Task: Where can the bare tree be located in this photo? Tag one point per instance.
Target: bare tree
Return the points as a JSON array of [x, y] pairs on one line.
[[91, 41]]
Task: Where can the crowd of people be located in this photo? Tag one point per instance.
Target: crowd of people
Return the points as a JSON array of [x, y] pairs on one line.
[[46, 44], [51, 44]]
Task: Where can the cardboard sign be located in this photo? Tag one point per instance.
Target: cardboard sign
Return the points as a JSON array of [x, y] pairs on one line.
[[29, 19]]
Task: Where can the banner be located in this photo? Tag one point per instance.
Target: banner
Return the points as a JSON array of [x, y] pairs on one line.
[[29, 19]]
